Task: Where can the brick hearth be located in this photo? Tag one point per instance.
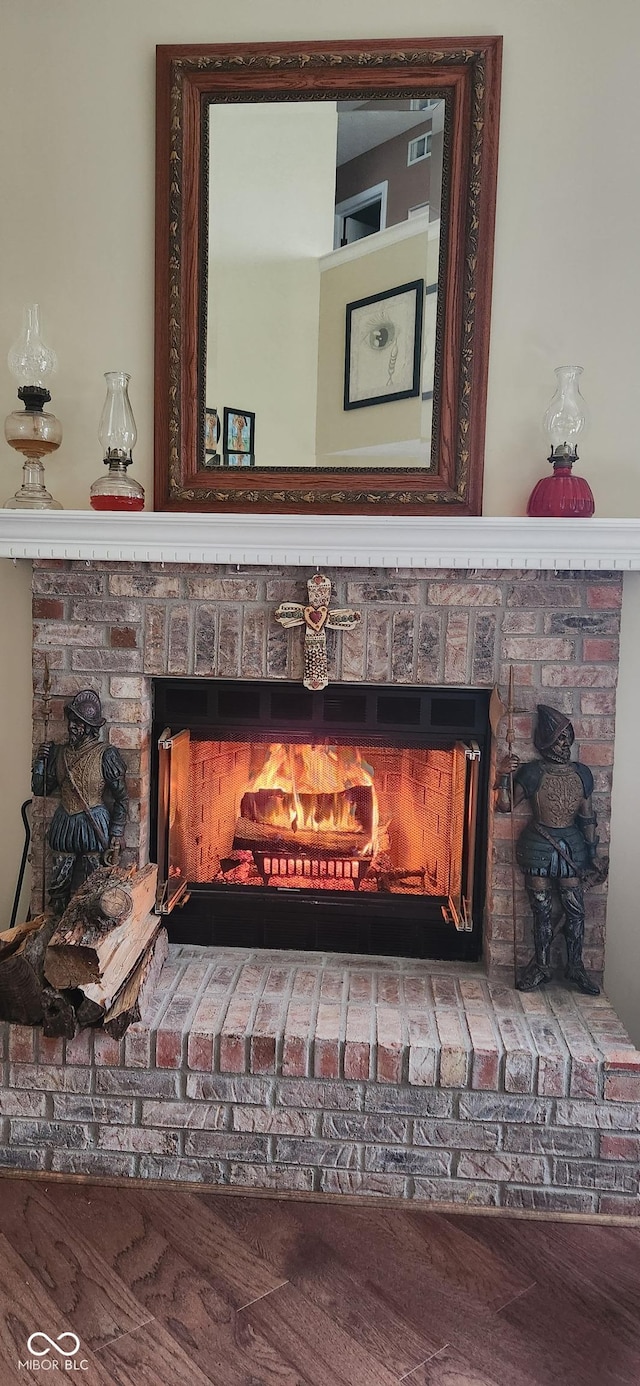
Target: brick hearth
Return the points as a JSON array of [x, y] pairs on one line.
[[341, 1076]]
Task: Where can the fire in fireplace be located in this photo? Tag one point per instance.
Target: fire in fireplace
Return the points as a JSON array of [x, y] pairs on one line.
[[347, 819], [310, 813]]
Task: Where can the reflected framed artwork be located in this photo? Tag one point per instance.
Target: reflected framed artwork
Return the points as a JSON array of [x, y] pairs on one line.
[[211, 429], [382, 346], [239, 431]]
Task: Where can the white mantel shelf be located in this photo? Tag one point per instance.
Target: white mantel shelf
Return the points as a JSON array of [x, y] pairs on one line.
[[379, 541]]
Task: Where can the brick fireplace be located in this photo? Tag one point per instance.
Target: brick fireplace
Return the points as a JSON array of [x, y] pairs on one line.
[[119, 626], [395, 1077]]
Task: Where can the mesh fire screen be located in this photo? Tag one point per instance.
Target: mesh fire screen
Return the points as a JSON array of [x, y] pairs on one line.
[[324, 816]]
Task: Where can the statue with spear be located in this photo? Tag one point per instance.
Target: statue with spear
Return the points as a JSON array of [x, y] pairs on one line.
[[557, 848], [89, 776]]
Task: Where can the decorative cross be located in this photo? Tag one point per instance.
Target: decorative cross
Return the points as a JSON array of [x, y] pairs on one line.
[[316, 617]]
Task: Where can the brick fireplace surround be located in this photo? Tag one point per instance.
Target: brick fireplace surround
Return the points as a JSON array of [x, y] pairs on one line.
[[294, 1071]]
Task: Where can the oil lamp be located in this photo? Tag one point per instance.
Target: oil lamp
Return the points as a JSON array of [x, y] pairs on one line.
[[32, 431], [117, 433], [562, 494]]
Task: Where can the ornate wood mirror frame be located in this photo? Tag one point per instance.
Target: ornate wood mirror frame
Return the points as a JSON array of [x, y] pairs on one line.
[[465, 74]]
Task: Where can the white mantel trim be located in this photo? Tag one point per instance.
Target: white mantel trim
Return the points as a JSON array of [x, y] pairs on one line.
[[379, 541]]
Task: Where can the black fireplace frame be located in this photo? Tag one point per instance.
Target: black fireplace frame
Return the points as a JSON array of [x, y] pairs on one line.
[[373, 714]]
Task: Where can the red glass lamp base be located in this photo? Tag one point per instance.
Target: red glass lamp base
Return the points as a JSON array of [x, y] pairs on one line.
[[117, 502], [561, 495]]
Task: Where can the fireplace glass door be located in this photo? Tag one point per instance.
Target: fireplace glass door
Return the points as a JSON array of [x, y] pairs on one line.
[[323, 821]]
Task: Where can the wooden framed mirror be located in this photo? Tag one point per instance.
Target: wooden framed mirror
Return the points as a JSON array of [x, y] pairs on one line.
[[324, 241]]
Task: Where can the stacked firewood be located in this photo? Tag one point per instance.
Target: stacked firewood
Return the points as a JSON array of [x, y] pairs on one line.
[[96, 965]]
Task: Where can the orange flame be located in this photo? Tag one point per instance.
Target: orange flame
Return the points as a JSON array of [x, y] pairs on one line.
[[307, 788]]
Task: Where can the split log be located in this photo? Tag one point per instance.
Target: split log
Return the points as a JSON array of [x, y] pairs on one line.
[[11, 939], [134, 1001], [22, 971], [119, 957], [84, 940]]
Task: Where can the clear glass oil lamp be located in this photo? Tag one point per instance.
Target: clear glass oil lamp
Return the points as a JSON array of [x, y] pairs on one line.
[[32, 431], [562, 494], [117, 433]]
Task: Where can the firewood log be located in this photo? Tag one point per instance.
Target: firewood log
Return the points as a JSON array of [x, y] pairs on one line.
[[88, 1012], [265, 836], [58, 1015], [10, 939], [116, 966], [135, 999], [22, 974], [114, 901], [85, 938]]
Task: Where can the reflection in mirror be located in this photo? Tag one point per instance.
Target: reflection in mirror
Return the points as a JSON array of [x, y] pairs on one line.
[[323, 266]]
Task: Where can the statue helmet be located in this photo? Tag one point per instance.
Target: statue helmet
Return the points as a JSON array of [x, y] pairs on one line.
[[550, 724], [86, 707]]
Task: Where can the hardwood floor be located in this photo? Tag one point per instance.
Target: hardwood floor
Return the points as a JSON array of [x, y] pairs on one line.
[[202, 1289]]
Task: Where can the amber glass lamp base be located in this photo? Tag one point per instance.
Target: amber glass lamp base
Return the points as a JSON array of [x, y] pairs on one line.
[[561, 495]]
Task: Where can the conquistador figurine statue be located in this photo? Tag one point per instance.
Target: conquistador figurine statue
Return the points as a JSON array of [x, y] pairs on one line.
[[87, 826], [558, 845]]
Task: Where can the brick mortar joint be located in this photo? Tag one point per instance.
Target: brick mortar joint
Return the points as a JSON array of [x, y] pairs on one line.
[[313, 1017]]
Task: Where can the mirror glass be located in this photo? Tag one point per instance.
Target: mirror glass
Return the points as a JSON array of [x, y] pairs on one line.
[[322, 270]]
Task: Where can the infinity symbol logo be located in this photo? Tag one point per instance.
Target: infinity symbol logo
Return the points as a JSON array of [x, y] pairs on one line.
[[53, 1343]]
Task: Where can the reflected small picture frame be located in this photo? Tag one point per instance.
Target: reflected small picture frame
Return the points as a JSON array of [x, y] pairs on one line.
[[383, 339], [211, 429], [238, 433], [239, 459]]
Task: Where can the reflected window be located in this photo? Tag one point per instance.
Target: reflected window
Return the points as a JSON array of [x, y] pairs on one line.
[[418, 149], [417, 104]]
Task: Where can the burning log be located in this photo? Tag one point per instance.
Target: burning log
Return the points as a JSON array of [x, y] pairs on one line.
[[107, 913], [241, 874], [327, 843], [387, 875]]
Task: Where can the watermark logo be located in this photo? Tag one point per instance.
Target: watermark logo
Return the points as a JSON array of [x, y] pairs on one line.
[[53, 1354]]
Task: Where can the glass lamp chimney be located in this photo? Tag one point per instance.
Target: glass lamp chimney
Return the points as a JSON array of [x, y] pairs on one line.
[[117, 433], [565, 420]]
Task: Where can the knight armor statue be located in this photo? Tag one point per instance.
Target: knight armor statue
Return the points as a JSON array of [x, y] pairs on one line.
[[557, 847], [87, 826]]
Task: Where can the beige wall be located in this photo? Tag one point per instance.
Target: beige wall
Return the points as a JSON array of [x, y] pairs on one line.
[[15, 719], [76, 229], [270, 220], [623, 913]]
